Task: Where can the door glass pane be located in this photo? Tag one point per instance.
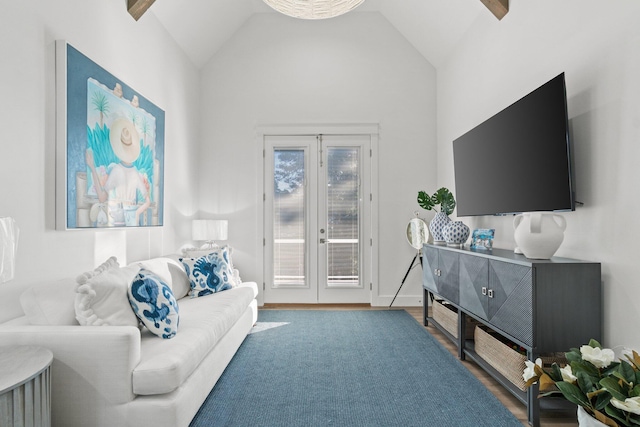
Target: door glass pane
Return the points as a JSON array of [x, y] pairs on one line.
[[289, 218], [343, 216]]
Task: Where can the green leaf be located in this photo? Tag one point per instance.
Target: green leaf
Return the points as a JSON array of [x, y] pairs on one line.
[[555, 373], [617, 415], [612, 386], [602, 401], [585, 382], [424, 200], [595, 344], [635, 392], [445, 199], [627, 372], [573, 355], [586, 367], [611, 369], [573, 394]]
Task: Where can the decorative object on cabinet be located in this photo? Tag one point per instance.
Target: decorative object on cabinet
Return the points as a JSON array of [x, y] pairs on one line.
[[9, 233], [538, 234], [209, 230], [482, 238], [417, 235], [605, 390], [447, 203], [110, 148], [518, 298], [455, 233]]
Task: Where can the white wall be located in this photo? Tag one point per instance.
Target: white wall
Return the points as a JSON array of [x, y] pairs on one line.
[[352, 69], [596, 45], [142, 55]]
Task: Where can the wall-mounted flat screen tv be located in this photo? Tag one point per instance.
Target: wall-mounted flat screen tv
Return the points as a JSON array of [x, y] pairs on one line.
[[519, 160]]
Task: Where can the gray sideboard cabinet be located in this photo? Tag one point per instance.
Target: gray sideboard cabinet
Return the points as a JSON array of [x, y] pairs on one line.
[[545, 306]]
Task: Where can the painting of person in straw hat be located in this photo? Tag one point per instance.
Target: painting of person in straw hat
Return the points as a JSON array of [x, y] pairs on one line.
[[122, 188]]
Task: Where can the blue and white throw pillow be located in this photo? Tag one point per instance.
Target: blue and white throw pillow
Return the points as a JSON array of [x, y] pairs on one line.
[[210, 273], [154, 304]]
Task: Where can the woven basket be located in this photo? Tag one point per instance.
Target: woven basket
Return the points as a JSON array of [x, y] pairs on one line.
[[447, 317], [551, 358], [505, 360]]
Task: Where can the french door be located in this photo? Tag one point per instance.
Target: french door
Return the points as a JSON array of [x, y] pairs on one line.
[[317, 219]]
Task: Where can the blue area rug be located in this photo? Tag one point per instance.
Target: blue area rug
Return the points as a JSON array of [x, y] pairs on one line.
[[347, 368]]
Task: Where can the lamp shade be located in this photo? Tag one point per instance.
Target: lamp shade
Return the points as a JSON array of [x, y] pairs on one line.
[[8, 246], [209, 229], [313, 9]]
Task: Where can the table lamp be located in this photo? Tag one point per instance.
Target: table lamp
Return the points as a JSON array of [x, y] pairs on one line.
[[209, 230], [8, 246]]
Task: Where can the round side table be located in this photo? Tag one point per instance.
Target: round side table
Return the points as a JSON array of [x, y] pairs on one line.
[[25, 386]]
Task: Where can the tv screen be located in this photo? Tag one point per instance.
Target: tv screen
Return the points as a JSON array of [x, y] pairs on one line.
[[518, 160]]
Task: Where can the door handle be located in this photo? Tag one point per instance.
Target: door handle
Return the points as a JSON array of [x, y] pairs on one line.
[[490, 293], [484, 290], [323, 240]]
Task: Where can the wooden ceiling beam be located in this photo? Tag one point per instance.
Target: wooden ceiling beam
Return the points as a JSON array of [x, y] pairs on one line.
[[498, 7], [137, 8]]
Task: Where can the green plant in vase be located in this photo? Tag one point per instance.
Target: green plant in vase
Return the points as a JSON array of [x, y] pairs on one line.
[[445, 200], [442, 198]]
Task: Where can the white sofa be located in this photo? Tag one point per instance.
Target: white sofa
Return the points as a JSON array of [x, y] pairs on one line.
[[124, 375]]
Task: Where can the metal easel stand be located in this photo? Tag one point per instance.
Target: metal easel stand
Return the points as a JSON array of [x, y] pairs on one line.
[[413, 264]]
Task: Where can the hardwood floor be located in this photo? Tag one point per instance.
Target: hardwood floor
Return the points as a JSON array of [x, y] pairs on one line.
[[507, 399]]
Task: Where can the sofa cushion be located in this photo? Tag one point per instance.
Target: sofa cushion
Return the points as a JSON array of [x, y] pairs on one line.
[[153, 303], [103, 299], [166, 364], [209, 273], [171, 271], [50, 303]]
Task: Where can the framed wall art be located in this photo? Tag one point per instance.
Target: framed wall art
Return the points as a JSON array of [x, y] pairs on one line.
[[109, 148]]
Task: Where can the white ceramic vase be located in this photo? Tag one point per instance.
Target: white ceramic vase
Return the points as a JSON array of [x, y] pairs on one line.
[[539, 234], [455, 233], [436, 225], [586, 420]]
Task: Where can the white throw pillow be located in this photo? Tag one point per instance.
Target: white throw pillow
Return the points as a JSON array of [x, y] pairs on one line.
[[50, 303], [101, 298], [171, 271], [110, 263]]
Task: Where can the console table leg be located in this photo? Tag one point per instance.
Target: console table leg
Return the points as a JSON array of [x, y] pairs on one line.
[[425, 307], [533, 403], [462, 333]]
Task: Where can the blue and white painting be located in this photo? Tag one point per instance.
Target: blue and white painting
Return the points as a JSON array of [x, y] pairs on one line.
[[114, 150]]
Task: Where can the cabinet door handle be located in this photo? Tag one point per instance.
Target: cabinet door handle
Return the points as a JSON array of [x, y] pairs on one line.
[[490, 293], [484, 290]]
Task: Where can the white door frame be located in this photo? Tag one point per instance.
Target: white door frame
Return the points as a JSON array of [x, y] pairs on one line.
[[312, 130]]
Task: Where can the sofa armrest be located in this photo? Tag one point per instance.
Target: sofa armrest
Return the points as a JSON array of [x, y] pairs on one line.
[[90, 363], [252, 285]]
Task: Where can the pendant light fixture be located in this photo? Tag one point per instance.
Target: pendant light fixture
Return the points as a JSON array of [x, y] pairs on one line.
[[313, 9]]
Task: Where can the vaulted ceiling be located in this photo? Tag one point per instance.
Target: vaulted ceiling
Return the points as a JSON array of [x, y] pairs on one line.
[[433, 27]]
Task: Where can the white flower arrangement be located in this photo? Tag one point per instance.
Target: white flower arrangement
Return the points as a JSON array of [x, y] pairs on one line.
[[608, 391]]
